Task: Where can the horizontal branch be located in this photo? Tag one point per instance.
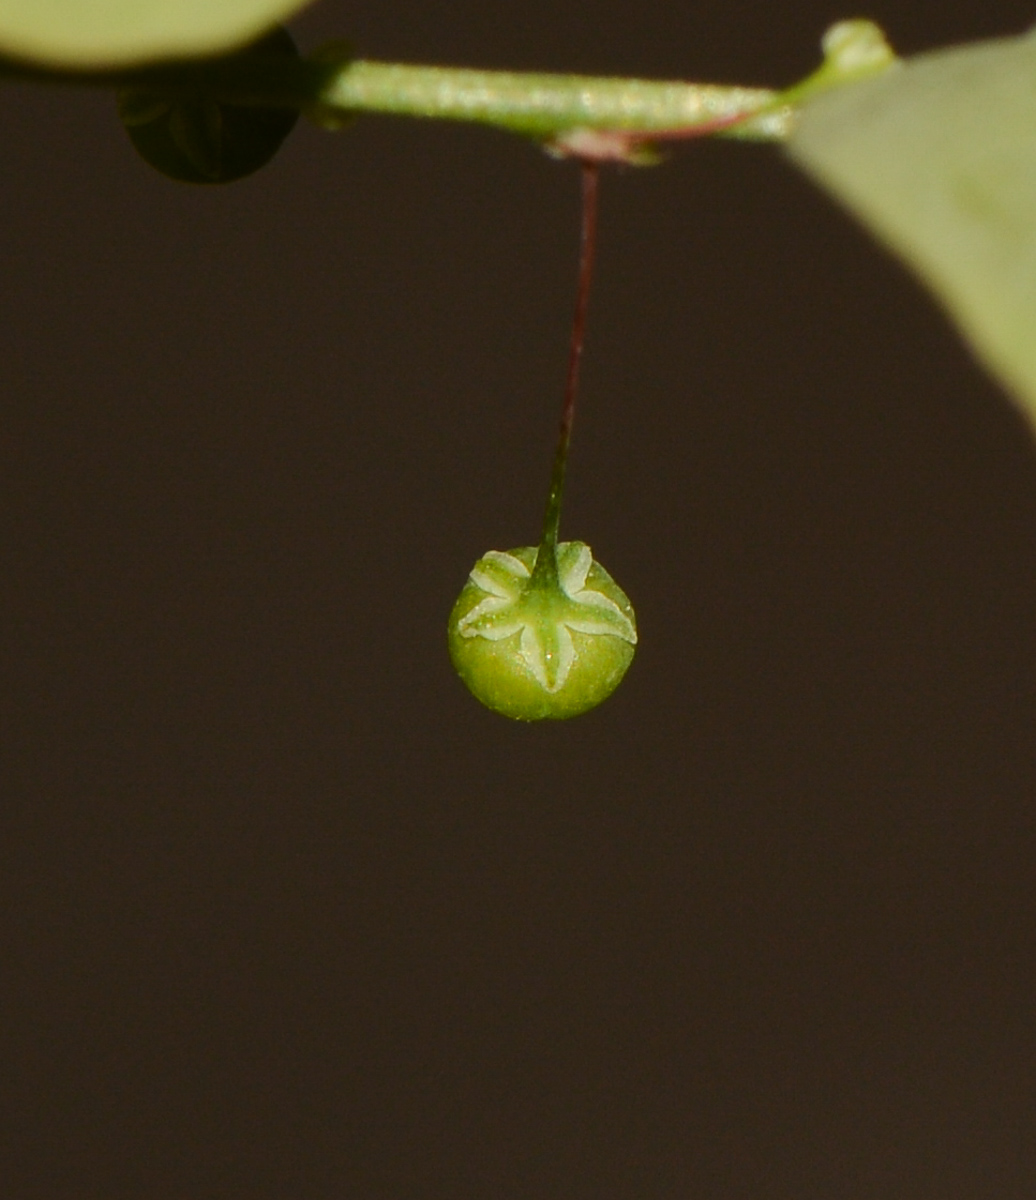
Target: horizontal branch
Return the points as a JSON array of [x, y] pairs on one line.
[[544, 106], [568, 112]]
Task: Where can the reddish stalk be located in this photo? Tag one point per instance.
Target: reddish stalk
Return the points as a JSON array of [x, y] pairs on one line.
[[588, 245]]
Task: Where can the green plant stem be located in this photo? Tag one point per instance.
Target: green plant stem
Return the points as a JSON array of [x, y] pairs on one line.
[[565, 111], [545, 106], [537, 105]]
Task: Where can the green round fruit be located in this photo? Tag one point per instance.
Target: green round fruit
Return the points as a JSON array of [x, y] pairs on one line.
[[196, 139], [533, 645]]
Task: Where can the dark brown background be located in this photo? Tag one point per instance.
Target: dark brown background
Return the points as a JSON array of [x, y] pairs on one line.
[[285, 914]]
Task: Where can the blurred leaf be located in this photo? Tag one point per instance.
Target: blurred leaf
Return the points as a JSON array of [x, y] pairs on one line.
[[938, 158], [201, 140], [101, 33]]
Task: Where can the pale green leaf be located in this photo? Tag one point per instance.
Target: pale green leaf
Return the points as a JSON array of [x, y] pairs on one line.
[[103, 33], [938, 157]]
